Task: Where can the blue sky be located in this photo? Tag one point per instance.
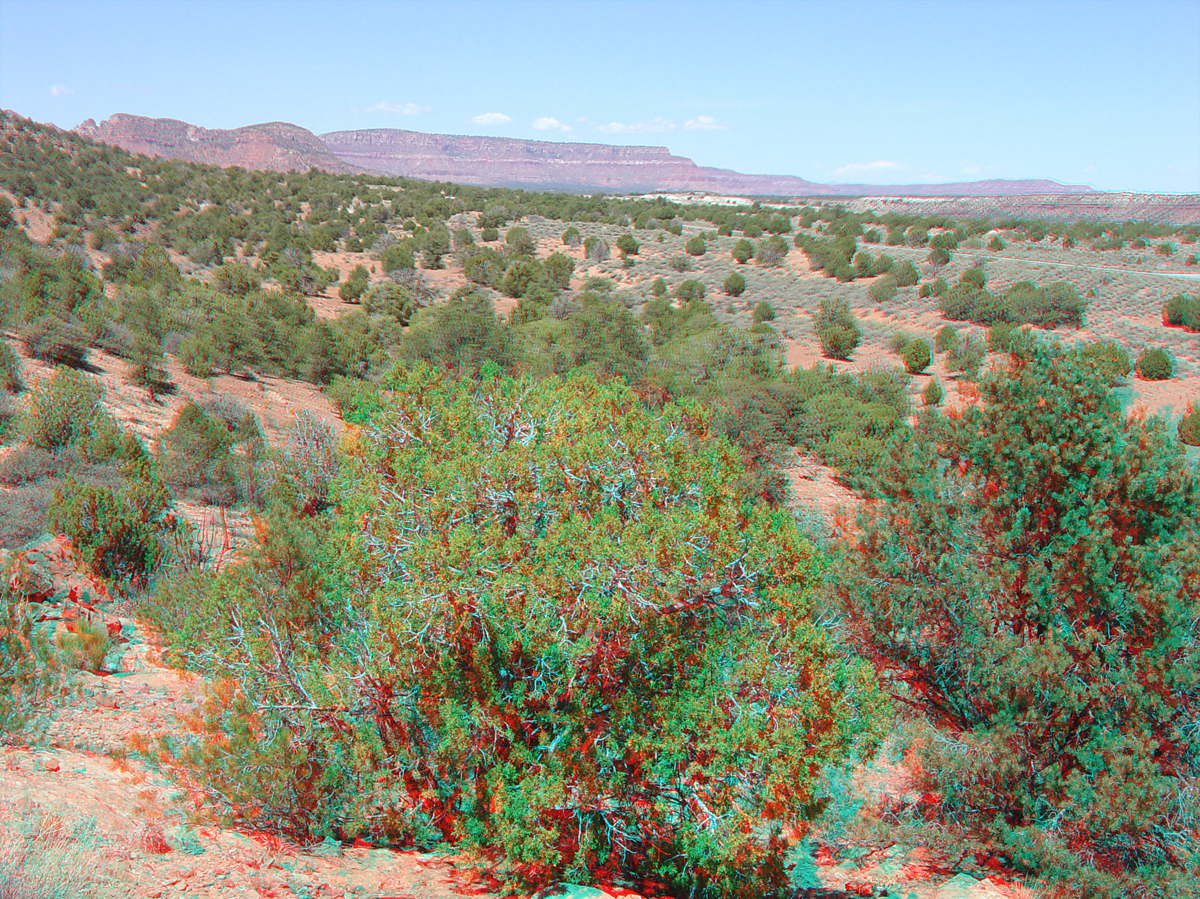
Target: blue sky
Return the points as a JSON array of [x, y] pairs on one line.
[[1102, 93]]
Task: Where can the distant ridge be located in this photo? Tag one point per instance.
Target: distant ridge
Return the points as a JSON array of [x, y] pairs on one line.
[[271, 146], [1176, 209], [495, 162], [550, 165]]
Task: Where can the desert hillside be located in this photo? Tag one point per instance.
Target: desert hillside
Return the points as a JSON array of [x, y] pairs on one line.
[[367, 536]]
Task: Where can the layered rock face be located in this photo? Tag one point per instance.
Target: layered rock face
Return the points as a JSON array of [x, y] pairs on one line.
[[552, 165], [540, 164], [273, 146], [495, 162]]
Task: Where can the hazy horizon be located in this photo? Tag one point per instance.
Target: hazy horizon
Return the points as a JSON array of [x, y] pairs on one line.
[[1105, 94]]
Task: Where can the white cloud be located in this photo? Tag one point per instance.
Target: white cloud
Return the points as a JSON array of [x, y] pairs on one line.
[[549, 123], [59, 90], [861, 169], [398, 108], [971, 169], [491, 118], [704, 123], [657, 124]]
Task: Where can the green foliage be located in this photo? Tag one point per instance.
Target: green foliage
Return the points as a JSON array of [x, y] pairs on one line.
[[236, 279], [947, 339], [696, 246], [213, 452], [916, 355], [771, 252], [680, 263], [627, 245], [56, 341], [564, 685], [558, 268], [398, 257], [605, 333], [906, 274], [10, 369], [1110, 359], [1189, 425], [1024, 303], [490, 235], [1156, 364], [743, 251], [435, 244], [147, 365], [571, 237], [690, 289], [117, 534], [837, 329], [355, 285], [735, 285], [30, 673], [933, 394], [764, 312], [64, 409], [1032, 585], [519, 242], [485, 266], [1000, 337], [843, 419], [463, 333], [966, 355], [1182, 311], [883, 289]]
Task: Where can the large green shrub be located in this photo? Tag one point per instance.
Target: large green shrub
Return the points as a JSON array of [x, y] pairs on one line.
[[1189, 425], [690, 289], [947, 339], [735, 285], [1042, 616], [883, 289], [934, 393], [837, 329], [462, 333], [1110, 358], [696, 246], [118, 534], [63, 409], [56, 340], [743, 251], [1156, 364], [1182, 311], [573, 644], [916, 355]]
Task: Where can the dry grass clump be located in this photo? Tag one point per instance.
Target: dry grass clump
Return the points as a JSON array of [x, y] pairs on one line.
[[44, 855]]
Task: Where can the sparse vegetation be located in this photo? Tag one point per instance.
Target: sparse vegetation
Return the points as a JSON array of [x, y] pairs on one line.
[[983, 565]]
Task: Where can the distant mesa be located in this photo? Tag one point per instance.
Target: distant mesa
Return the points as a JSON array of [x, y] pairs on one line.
[[497, 162], [273, 146]]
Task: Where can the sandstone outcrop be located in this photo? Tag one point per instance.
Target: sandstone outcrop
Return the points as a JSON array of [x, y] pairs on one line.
[[494, 161], [273, 146]]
